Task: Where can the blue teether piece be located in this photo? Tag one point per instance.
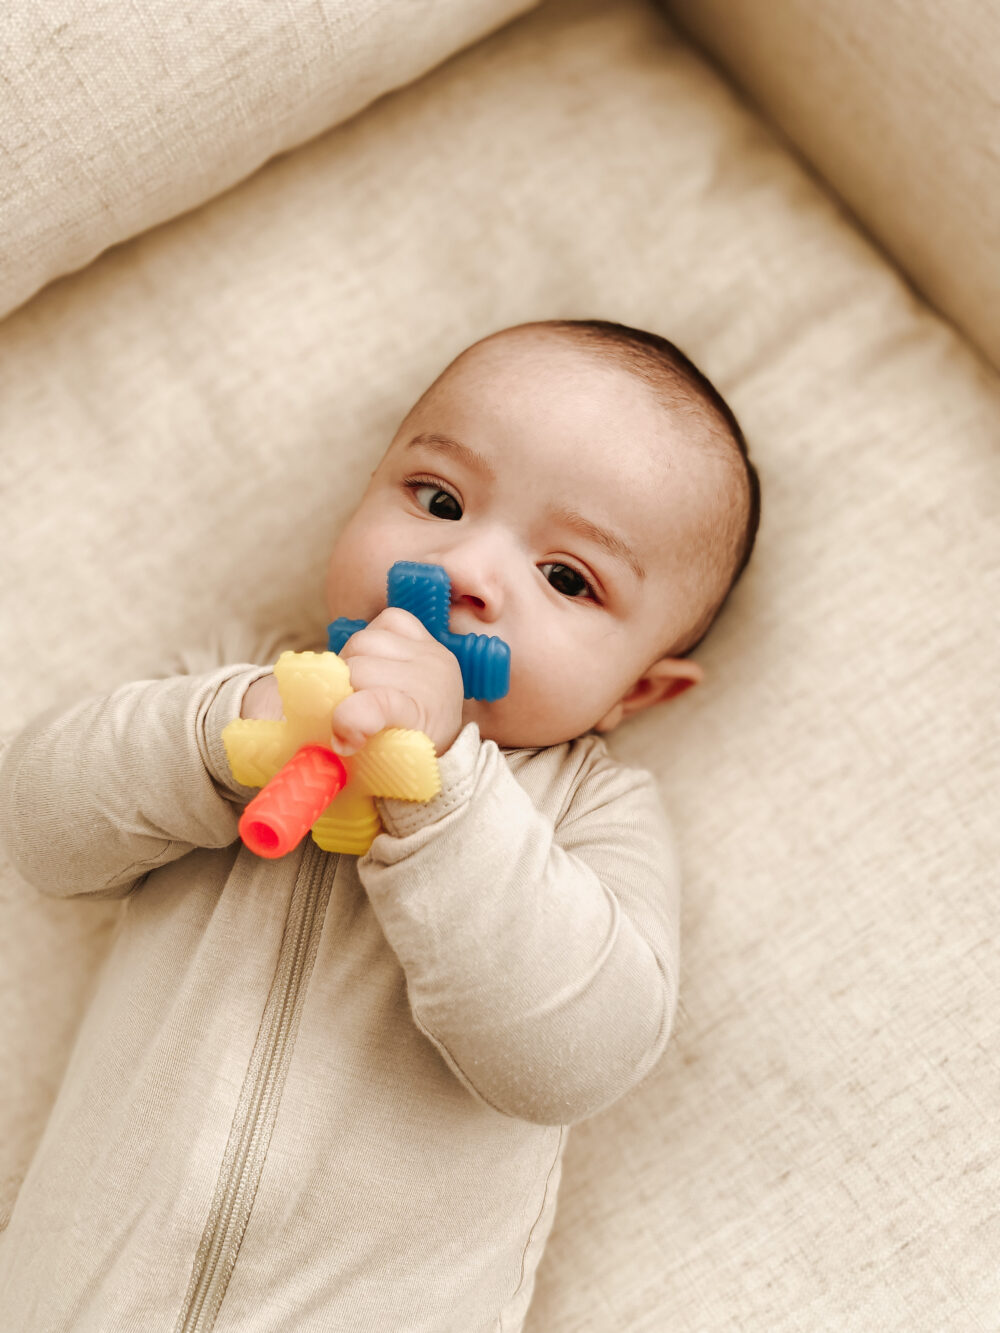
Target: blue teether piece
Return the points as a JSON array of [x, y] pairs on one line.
[[425, 591]]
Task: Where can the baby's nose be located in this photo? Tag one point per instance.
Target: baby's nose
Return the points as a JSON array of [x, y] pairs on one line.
[[475, 589], [480, 595]]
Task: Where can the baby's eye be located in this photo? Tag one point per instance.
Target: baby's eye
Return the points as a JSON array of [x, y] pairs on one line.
[[566, 580], [439, 502]]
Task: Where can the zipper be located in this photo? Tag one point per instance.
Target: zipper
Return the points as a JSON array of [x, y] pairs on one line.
[[257, 1107]]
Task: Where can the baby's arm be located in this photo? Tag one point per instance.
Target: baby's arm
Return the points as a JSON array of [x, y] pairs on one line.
[[94, 797], [542, 963]]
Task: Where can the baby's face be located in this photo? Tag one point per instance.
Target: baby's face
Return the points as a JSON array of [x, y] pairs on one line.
[[563, 503]]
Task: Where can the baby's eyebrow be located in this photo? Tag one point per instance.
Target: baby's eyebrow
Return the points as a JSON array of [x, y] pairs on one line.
[[444, 444], [612, 543]]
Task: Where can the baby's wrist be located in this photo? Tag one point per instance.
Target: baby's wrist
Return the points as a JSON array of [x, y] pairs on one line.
[[444, 740], [262, 701], [458, 766]]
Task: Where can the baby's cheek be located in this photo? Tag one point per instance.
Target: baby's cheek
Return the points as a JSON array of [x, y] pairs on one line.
[[354, 586], [534, 714], [575, 695]]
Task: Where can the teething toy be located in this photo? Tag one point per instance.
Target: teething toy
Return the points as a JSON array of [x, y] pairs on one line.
[[425, 591], [305, 783]]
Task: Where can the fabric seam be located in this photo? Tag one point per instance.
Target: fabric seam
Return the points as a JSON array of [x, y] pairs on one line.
[[534, 1226]]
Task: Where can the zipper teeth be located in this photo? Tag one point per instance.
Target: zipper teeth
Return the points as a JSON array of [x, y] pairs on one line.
[[249, 1135], [219, 1259], [223, 1226]]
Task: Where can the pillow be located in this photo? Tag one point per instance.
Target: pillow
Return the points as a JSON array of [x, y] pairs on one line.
[[118, 114], [897, 108], [187, 423]]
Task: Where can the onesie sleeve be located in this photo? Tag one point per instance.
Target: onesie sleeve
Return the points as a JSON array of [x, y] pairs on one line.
[[95, 796], [541, 954]]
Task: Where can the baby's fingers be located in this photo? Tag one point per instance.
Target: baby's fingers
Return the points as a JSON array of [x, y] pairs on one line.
[[364, 714], [391, 635]]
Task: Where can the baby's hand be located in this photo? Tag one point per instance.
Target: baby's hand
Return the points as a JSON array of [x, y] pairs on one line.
[[402, 677], [262, 700]]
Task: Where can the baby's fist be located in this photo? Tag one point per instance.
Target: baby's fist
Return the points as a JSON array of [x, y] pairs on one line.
[[401, 677]]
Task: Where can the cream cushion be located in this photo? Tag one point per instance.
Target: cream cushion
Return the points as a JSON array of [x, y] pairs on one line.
[[115, 116], [895, 105], [187, 422]]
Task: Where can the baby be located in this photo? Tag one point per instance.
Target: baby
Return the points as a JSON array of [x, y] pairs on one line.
[[332, 1093]]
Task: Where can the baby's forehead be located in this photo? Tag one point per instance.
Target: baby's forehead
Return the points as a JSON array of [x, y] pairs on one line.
[[584, 410], [535, 364], [532, 351]]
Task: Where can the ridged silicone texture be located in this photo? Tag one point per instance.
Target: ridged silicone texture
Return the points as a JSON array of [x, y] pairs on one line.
[[425, 591]]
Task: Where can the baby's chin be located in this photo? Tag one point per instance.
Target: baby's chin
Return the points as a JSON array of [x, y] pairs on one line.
[[494, 723], [504, 726]]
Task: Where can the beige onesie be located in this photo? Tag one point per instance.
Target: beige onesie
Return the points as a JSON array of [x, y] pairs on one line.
[[325, 1092]]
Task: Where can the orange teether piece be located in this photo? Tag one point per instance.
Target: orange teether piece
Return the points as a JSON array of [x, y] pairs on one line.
[[279, 818]]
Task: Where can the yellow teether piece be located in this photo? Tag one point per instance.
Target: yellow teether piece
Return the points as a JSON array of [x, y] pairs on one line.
[[394, 763]]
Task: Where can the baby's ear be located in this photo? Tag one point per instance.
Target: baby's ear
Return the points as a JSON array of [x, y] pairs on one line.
[[664, 680]]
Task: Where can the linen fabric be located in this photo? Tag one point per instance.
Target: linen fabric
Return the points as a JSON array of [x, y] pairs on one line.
[[116, 115], [895, 105], [326, 1091], [186, 424]]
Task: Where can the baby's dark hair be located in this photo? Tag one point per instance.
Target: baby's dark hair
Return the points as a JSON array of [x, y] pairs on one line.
[[679, 383]]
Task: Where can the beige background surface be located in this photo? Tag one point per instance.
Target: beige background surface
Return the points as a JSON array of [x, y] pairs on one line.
[[115, 117], [187, 422], [895, 105]]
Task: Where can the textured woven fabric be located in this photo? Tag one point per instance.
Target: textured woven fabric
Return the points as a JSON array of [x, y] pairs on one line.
[[187, 422], [116, 115], [895, 104]]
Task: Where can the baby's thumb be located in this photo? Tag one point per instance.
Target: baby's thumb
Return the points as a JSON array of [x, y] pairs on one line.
[[355, 721]]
